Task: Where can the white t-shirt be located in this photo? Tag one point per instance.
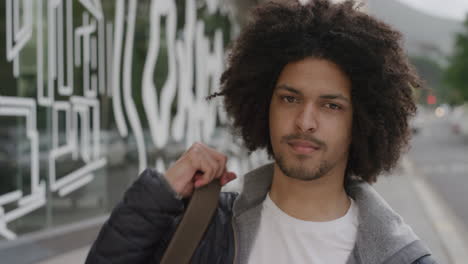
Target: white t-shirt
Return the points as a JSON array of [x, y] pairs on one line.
[[284, 239]]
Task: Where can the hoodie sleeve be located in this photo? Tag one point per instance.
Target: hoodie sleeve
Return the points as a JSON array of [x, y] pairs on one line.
[[425, 260], [139, 224]]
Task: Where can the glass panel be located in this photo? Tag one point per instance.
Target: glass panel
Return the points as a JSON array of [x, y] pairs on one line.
[[93, 92]]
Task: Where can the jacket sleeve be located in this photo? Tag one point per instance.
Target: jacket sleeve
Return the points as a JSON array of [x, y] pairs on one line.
[[140, 223], [425, 260]]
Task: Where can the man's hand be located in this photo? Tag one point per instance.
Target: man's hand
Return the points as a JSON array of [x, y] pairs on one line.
[[198, 166]]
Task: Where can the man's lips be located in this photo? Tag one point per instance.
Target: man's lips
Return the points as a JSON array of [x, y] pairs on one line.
[[303, 147]]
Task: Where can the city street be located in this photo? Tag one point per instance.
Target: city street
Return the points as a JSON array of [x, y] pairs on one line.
[[441, 158]]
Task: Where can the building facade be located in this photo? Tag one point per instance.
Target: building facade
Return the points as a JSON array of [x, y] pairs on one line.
[[92, 92]]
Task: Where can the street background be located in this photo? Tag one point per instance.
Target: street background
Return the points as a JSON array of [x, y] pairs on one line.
[[76, 125]]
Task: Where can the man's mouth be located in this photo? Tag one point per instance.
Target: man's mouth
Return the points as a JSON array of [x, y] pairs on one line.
[[303, 147]]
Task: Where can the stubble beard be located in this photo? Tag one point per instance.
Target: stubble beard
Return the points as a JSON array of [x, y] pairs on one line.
[[301, 172]]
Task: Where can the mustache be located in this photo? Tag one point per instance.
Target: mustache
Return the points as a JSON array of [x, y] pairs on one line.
[[310, 138]]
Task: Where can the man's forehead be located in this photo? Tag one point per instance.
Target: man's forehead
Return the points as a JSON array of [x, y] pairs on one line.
[[312, 76]]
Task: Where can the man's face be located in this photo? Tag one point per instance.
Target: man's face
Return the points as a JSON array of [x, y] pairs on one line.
[[310, 119]]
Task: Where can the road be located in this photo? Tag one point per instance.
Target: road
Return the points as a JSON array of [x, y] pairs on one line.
[[441, 157]]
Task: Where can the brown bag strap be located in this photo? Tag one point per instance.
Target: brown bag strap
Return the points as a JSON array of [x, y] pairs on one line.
[[196, 219]]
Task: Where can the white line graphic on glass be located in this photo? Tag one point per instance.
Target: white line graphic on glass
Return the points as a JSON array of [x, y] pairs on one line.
[[87, 148], [18, 33], [158, 110], [127, 87], [116, 95], [22, 107]]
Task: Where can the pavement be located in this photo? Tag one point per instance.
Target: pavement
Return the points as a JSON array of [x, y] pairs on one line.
[[411, 197], [408, 193], [73, 257]]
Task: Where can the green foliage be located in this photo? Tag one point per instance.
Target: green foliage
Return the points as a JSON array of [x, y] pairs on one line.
[[431, 72], [456, 74]]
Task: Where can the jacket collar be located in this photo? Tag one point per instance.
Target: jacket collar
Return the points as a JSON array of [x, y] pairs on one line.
[[382, 233], [256, 185]]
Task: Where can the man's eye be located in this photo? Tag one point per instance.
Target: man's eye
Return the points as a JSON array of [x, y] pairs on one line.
[[333, 106], [289, 99]]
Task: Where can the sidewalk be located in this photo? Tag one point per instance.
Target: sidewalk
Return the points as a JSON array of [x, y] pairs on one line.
[[401, 195], [399, 190], [76, 256]]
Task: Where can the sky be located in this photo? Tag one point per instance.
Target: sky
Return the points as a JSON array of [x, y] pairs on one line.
[[454, 9]]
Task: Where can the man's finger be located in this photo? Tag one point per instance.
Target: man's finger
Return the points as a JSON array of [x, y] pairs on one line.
[[220, 158], [208, 167], [227, 177]]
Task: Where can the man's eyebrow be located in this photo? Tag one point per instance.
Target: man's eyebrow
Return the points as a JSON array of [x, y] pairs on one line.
[[335, 96], [288, 88], [324, 96]]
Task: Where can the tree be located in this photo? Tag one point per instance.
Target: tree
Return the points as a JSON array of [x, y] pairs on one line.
[[431, 72], [456, 74]]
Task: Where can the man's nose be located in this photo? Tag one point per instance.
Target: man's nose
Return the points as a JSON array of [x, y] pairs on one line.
[[306, 120]]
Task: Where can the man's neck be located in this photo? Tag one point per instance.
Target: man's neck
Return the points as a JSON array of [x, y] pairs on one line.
[[319, 200]]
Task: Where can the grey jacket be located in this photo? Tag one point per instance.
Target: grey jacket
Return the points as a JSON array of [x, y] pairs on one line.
[[382, 236], [142, 224]]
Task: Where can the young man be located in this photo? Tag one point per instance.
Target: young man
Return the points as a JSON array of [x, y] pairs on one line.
[[326, 89]]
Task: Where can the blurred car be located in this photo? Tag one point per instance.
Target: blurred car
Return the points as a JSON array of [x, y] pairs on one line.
[[418, 120], [442, 111], [459, 120]]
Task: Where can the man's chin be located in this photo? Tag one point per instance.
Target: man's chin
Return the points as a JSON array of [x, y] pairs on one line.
[[301, 173], [303, 176], [299, 169], [306, 162]]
